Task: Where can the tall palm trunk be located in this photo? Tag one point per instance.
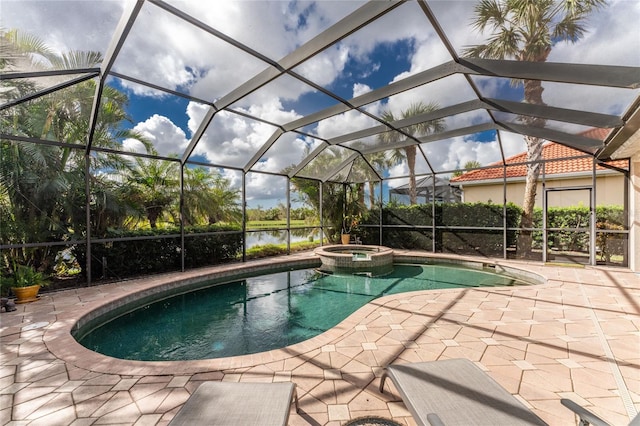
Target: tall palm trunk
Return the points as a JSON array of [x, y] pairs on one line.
[[410, 152], [372, 195], [527, 31], [533, 94]]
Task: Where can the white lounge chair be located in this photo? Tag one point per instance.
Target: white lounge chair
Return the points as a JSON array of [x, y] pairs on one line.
[[456, 392], [243, 403], [588, 418]]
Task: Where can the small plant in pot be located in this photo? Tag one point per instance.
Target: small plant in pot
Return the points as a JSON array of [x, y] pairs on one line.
[[25, 283], [349, 223]]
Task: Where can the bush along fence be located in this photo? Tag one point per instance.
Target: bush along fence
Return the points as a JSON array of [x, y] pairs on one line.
[[572, 219], [204, 245], [411, 227], [458, 230]]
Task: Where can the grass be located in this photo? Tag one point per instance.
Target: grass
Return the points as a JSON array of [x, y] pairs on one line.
[[276, 249], [268, 224]]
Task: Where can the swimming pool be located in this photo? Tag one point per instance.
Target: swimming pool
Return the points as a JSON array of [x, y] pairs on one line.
[[261, 313]]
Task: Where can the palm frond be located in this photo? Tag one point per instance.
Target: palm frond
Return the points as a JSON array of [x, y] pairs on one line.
[[24, 42], [76, 59], [489, 14], [569, 29]]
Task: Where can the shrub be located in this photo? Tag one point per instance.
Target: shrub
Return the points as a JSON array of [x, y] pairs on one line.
[[408, 220], [160, 251]]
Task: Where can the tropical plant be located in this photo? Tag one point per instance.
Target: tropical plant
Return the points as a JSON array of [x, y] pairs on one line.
[[24, 276], [408, 153], [209, 198], [153, 185], [380, 162], [527, 30], [43, 186], [333, 194]]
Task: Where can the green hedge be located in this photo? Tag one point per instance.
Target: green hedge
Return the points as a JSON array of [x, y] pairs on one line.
[[154, 255], [570, 218], [489, 242], [485, 242]]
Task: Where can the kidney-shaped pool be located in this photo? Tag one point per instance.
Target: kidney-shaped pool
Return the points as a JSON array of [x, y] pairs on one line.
[[261, 313]]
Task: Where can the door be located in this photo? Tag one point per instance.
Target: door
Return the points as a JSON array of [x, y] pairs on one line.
[[568, 234]]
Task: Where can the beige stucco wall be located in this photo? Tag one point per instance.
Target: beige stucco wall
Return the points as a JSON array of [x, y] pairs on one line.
[[609, 191]]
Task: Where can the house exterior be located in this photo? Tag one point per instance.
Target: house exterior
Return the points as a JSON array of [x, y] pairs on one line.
[[444, 192], [559, 170]]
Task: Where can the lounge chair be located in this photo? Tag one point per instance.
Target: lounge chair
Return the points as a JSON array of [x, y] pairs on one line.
[[588, 418], [456, 392], [243, 403]]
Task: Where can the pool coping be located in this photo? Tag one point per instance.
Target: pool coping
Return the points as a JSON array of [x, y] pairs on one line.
[[61, 343]]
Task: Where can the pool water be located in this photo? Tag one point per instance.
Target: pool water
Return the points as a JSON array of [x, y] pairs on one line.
[[262, 313]]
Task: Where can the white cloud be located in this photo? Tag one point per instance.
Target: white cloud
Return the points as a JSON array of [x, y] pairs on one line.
[[166, 137], [262, 187], [65, 25], [347, 122], [326, 66], [612, 37], [196, 113], [360, 89]]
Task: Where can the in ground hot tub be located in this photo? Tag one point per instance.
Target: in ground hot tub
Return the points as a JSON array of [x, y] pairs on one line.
[[356, 259]]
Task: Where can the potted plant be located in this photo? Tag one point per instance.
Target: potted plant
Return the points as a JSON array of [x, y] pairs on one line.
[[348, 223], [25, 283]]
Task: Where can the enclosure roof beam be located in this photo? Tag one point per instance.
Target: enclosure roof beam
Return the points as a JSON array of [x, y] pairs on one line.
[[596, 75], [48, 90], [343, 28], [394, 88], [263, 149], [553, 113], [120, 34], [313, 154], [339, 167], [433, 137], [627, 134], [367, 13], [48, 73], [581, 143]]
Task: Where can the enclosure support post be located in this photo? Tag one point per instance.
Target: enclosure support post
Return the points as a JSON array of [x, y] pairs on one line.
[[592, 217], [504, 211], [321, 215], [627, 209], [545, 241], [345, 201], [288, 215], [244, 216], [381, 210], [87, 197], [433, 213], [182, 216]]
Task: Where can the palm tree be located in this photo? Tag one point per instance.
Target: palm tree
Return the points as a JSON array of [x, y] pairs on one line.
[[334, 195], [378, 161], [527, 30], [208, 197], [153, 185], [409, 152], [471, 164], [43, 187]]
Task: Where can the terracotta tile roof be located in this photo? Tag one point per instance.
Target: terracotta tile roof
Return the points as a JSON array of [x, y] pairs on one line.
[[550, 151]]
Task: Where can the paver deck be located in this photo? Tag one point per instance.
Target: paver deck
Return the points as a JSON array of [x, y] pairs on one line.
[[576, 336]]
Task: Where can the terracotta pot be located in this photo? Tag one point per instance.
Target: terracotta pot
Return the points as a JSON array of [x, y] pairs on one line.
[[345, 238], [26, 294]]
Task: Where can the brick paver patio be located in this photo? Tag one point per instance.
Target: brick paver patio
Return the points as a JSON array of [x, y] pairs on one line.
[[577, 336]]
